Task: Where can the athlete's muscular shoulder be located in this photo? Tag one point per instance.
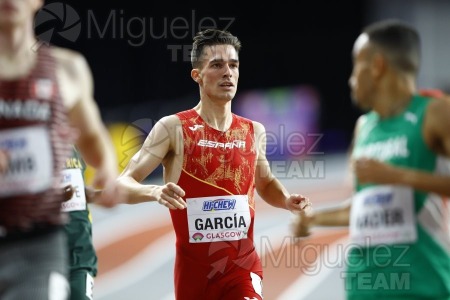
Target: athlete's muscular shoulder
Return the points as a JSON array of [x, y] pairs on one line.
[[171, 127], [259, 129], [163, 139], [73, 74], [260, 139], [164, 144]]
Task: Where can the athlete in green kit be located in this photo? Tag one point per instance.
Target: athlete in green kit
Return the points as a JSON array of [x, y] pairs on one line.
[[82, 255], [398, 214]]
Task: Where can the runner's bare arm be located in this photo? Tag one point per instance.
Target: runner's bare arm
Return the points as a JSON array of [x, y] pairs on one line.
[[158, 145], [94, 141]]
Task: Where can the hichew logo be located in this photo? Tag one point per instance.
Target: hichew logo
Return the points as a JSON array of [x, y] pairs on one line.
[[58, 18]]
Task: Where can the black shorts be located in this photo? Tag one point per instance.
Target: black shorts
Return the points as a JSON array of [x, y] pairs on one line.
[[34, 267]]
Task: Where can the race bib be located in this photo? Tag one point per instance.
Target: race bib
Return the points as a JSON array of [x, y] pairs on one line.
[[383, 215], [75, 178], [30, 163], [220, 218]]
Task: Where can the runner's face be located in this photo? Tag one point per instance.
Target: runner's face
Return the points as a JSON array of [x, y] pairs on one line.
[[361, 81], [17, 12], [219, 74]]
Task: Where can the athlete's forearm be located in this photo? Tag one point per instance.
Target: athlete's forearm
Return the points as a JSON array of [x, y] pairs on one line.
[[336, 216], [98, 152], [274, 193], [133, 192], [424, 181]]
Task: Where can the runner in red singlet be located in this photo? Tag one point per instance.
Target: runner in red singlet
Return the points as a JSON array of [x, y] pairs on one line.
[[213, 162]]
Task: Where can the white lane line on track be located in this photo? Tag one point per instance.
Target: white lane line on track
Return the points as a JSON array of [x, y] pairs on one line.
[[301, 288]]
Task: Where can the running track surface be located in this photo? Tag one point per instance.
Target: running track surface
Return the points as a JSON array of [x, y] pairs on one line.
[[135, 246]]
